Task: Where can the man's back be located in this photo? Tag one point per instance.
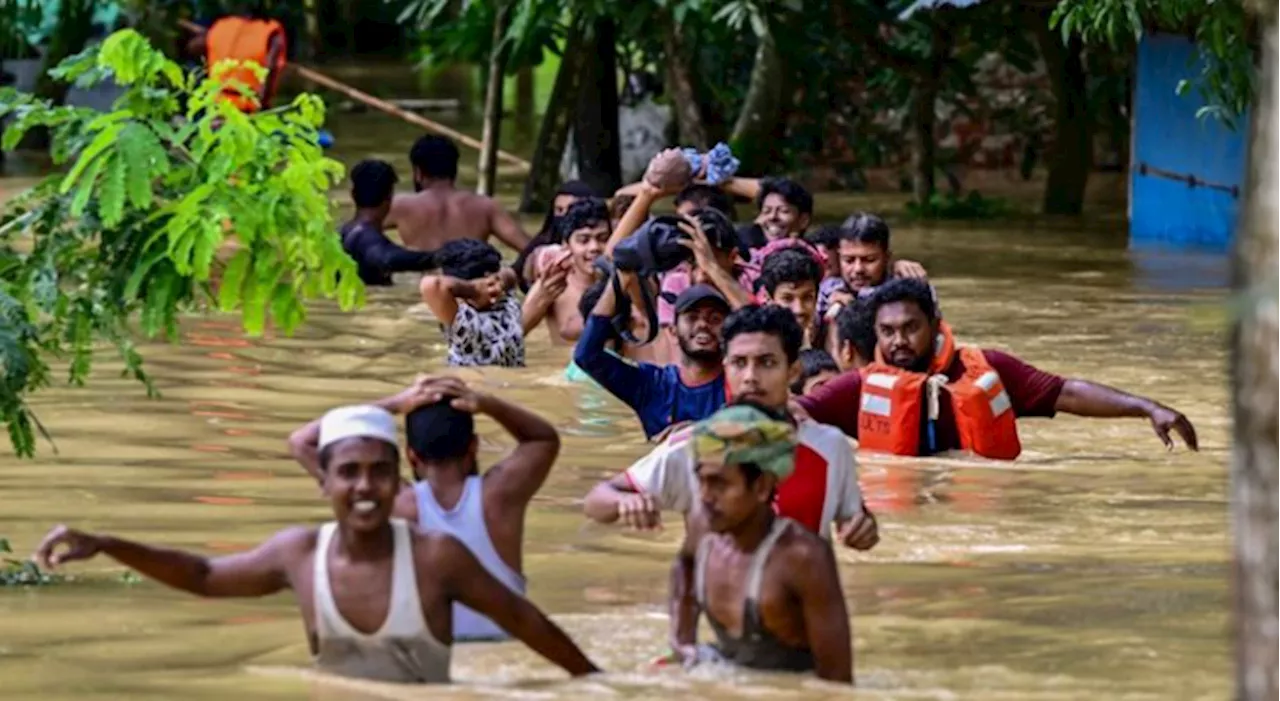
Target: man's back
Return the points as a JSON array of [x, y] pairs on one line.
[[427, 220]]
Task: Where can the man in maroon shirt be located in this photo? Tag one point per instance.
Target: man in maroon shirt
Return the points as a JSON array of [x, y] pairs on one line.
[[907, 326]]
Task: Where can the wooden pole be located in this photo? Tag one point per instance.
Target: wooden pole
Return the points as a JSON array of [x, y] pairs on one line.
[[383, 105], [1254, 470]]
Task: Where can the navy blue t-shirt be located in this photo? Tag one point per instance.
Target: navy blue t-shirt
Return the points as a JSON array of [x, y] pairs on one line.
[[654, 392]]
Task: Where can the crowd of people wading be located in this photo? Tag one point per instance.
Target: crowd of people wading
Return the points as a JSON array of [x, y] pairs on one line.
[[751, 353]]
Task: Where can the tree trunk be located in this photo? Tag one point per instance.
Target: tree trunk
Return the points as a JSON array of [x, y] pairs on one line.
[[70, 36], [1071, 156], [544, 176], [1254, 482], [924, 116], [684, 98], [752, 136], [526, 93], [487, 170], [595, 128]]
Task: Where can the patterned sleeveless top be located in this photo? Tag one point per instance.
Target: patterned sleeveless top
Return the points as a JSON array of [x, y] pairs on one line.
[[493, 336]]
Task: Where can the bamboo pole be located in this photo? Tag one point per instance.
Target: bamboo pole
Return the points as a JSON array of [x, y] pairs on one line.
[[379, 104], [1255, 475]]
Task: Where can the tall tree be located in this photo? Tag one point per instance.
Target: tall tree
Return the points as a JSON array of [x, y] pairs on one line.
[[1255, 474], [557, 121], [595, 128], [1071, 159], [494, 74]]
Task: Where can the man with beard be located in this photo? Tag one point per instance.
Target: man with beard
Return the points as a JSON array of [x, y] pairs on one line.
[[923, 394], [438, 212], [375, 593], [661, 395], [755, 571]]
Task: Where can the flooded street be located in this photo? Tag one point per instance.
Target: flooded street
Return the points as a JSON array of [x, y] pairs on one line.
[[1096, 566]]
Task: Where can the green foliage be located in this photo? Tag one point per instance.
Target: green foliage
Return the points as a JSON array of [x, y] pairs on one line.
[[467, 35], [953, 206], [1220, 27], [22, 573], [138, 223]]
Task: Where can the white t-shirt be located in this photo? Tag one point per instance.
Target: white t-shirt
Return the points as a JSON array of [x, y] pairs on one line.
[[823, 487]]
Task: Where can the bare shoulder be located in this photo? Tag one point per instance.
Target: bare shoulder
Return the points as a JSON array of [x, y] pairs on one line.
[[293, 541], [804, 553]]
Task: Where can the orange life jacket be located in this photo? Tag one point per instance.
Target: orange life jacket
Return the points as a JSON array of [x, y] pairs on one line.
[[895, 402], [241, 39]]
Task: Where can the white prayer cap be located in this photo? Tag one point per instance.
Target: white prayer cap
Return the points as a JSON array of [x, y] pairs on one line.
[[359, 421]]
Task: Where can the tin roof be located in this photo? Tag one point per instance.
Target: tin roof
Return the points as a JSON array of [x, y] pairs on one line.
[[933, 5]]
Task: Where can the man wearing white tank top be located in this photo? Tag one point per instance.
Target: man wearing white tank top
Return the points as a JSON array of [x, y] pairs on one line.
[[376, 594], [485, 512]]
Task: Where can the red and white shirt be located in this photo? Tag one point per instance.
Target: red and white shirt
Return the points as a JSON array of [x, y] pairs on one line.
[[823, 487]]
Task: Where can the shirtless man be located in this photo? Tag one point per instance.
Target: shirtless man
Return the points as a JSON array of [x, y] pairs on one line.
[[438, 212], [768, 586], [486, 512], [376, 594]]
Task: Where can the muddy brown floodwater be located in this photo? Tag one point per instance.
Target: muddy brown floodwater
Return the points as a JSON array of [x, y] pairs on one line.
[[1095, 566]]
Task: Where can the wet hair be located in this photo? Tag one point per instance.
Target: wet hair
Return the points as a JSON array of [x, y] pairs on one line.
[[435, 157], [438, 431], [823, 237], [788, 265], [856, 324], [791, 191], [813, 361], [707, 196], [584, 213], [864, 227], [905, 289], [373, 183], [768, 319], [468, 259], [325, 455], [717, 227]]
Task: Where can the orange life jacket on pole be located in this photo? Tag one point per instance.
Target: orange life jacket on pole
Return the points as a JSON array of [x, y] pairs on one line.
[[242, 39], [895, 402]]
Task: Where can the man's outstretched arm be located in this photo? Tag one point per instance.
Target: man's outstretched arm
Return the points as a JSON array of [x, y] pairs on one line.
[[1085, 398], [257, 572]]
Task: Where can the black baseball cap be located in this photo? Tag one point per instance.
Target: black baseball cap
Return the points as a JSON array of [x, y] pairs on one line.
[[695, 295]]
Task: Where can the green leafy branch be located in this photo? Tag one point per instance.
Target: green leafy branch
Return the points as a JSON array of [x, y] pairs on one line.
[[173, 201], [1220, 28]]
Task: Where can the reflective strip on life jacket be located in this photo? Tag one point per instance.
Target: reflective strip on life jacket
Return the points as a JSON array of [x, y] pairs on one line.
[[890, 410], [1000, 403], [985, 421]]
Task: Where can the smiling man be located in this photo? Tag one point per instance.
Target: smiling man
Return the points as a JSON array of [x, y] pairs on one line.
[[376, 595]]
